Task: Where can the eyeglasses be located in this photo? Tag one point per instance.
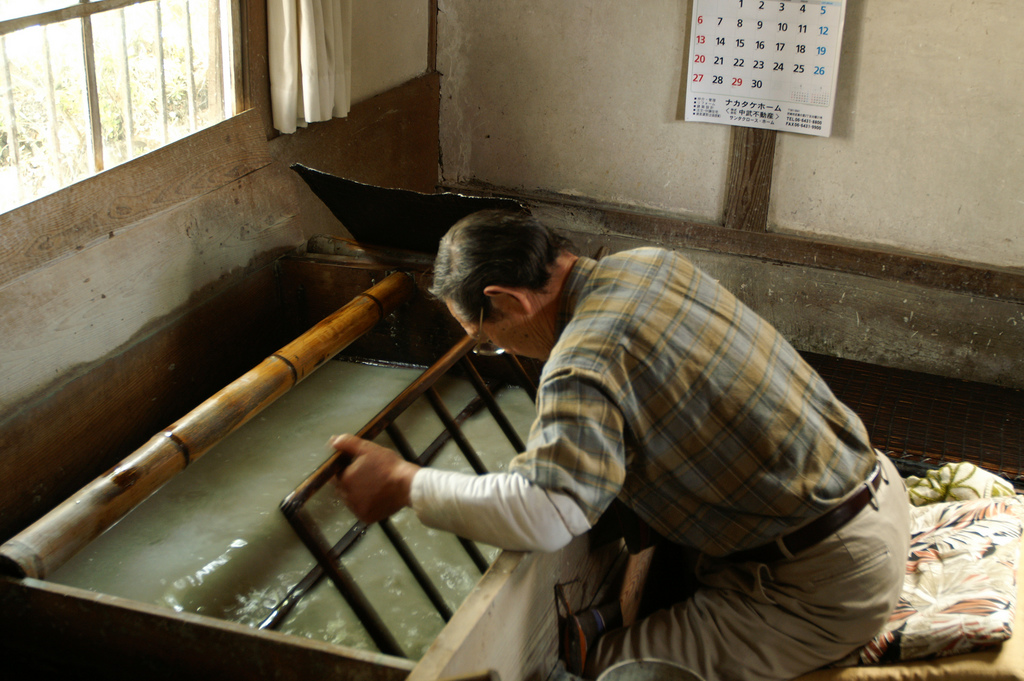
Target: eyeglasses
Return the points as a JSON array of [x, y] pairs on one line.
[[484, 345]]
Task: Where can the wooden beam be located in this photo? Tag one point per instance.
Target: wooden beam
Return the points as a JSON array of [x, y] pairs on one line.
[[432, 36], [255, 63], [749, 183], [103, 207], [898, 267], [949, 275], [64, 14]]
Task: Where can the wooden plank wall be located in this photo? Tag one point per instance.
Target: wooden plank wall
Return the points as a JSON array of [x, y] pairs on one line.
[[100, 260], [96, 282], [127, 299]]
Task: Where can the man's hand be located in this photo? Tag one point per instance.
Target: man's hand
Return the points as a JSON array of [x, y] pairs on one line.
[[377, 482]]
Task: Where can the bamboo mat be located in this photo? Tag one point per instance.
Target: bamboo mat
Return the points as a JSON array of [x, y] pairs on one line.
[[925, 421]]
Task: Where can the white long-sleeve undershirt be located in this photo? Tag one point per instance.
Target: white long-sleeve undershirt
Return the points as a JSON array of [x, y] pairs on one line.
[[502, 509]]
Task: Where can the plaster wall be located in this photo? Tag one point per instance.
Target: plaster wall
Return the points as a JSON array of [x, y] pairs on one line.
[[928, 138], [575, 98], [581, 99], [389, 44]]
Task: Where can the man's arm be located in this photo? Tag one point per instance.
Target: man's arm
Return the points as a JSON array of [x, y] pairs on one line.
[[501, 509]]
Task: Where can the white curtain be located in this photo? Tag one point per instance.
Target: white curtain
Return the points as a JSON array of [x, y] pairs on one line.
[[310, 46]]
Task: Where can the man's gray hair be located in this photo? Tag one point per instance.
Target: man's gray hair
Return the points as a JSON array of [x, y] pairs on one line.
[[493, 247]]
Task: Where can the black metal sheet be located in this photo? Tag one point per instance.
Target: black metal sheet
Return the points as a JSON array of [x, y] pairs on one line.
[[395, 218]]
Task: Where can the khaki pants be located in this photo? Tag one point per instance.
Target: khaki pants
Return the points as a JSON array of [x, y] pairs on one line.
[[750, 621]]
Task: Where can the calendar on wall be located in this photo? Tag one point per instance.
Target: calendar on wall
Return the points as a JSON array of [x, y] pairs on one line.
[[765, 63]]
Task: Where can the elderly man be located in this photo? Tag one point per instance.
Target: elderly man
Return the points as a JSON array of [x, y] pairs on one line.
[[663, 390]]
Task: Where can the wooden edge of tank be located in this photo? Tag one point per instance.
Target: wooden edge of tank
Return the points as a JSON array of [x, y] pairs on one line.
[[509, 623], [126, 638]]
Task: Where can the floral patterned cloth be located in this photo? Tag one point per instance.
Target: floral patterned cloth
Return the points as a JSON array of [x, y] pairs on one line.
[[960, 588], [958, 481]]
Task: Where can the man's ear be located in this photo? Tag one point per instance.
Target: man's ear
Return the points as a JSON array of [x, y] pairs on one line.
[[509, 299]]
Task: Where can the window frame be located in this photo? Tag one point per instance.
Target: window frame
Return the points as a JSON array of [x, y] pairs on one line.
[[83, 11]]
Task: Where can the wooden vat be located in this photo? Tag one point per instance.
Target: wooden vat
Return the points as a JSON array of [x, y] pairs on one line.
[[508, 624]]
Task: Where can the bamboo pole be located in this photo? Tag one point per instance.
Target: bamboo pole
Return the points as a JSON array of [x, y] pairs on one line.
[[48, 543]]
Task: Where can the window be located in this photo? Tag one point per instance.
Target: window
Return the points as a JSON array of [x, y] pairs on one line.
[[86, 86]]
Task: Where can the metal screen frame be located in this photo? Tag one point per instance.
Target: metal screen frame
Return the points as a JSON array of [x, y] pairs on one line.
[[329, 557]]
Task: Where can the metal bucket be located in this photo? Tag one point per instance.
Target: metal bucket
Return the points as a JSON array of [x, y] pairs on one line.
[[648, 670]]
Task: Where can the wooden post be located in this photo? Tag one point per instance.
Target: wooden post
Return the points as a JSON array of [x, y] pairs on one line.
[[634, 578], [49, 542], [750, 179]]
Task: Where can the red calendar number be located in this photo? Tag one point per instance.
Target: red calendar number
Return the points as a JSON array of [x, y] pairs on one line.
[[736, 82]]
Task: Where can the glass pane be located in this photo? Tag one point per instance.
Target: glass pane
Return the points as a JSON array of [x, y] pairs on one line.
[[195, 82], [12, 9], [145, 77], [161, 74], [110, 44], [157, 57], [44, 138]]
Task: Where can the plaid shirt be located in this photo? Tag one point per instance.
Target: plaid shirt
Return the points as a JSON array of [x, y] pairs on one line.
[[664, 390]]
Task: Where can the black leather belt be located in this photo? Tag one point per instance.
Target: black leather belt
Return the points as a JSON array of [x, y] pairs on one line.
[[812, 533]]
